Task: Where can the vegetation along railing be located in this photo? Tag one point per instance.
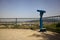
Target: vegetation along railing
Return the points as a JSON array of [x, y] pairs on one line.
[[52, 22]]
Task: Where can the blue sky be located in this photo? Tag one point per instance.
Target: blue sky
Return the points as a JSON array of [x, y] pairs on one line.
[[28, 8]]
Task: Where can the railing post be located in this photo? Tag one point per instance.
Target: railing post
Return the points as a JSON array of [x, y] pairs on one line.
[[16, 21]]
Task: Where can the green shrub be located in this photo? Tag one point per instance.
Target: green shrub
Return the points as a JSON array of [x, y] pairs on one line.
[[58, 25], [53, 27]]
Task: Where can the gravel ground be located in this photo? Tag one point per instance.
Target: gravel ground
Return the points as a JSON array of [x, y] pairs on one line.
[[26, 34]]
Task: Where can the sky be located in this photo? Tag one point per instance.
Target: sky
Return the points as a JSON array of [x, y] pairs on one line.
[[28, 8]]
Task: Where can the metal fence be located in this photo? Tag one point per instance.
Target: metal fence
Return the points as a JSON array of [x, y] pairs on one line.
[[28, 21], [11, 22], [17, 20]]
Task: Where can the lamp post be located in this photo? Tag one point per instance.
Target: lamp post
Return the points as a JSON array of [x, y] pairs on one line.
[[41, 21]]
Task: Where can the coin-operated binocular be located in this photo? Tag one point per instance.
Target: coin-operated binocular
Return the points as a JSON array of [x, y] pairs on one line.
[[41, 21]]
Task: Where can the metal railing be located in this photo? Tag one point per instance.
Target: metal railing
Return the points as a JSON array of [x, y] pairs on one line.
[[28, 21]]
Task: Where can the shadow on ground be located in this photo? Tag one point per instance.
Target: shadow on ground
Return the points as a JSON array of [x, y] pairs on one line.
[[46, 36]]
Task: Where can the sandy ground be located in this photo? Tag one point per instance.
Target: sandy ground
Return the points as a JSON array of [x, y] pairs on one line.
[[26, 34]]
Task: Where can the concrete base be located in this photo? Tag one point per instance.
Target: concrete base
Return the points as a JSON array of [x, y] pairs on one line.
[[43, 30]]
